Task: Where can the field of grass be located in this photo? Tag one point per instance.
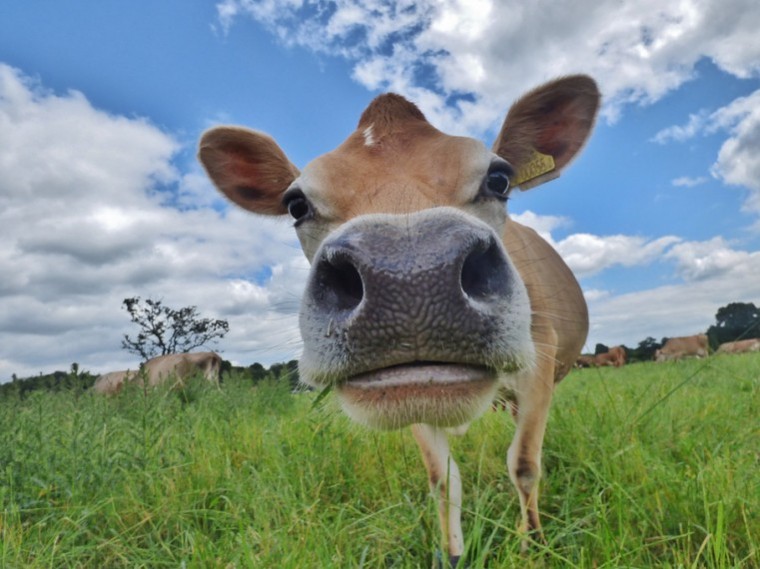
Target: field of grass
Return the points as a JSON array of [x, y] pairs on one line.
[[645, 466]]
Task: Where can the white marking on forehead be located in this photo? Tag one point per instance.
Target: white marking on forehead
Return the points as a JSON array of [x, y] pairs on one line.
[[368, 138]]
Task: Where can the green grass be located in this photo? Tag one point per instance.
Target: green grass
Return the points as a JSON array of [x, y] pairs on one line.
[[645, 466]]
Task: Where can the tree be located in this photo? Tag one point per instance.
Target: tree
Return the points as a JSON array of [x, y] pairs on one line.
[[257, 371], [286, 371], [645, 350], [164, 330], [292, 374], [735, 321]]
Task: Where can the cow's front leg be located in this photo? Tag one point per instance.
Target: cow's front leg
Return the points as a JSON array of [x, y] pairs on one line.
[[533, 395], [443, 474]]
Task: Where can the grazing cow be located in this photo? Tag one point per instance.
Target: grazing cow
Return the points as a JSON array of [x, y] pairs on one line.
[[685, 346], [740, 346], [162, 368], [112, 382], [614, 357], [183, 366], [585, 361], [424, 298]]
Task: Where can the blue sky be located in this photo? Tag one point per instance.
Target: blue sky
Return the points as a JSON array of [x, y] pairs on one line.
[[101, 105]]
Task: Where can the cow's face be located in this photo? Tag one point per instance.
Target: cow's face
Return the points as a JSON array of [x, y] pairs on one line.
[[413, 311]]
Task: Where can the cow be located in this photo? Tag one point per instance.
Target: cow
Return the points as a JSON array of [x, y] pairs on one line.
[[424, 298], [111, 383], [614, 357], [740, 346], [684, 346], [162, 368], [585, 360]]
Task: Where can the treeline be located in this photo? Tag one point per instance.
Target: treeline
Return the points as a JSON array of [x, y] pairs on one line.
[[257, 372], [80, 381], [735, 321], [72, 380]]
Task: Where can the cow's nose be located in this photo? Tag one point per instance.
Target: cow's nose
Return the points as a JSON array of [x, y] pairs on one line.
[[484, 273], [337, 281], [437, 263]]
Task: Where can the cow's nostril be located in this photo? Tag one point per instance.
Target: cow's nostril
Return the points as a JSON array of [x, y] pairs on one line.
[[484, 272], [341, 283]]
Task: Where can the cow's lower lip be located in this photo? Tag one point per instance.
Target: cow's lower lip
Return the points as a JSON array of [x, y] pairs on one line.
[[420, 375], [438, 394]]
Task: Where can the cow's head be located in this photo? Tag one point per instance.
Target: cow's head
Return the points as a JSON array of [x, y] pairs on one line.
[[413, 310]]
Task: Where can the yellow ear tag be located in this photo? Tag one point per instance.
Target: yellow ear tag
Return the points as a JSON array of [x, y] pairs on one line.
[[537, 165]]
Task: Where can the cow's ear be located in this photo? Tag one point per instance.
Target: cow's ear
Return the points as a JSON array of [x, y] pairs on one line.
[[546, 128], [248, 167]]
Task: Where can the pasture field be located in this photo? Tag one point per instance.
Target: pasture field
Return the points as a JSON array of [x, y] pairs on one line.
[[650, 465]]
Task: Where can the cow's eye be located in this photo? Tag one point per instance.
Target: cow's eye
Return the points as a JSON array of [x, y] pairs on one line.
[[298, 206], [497, 181]]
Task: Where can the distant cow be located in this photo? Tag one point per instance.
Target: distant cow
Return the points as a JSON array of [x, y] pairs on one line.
[[685, 346], [585, 361], [110, 383], [158, 370], [740, 347], [614, 357]]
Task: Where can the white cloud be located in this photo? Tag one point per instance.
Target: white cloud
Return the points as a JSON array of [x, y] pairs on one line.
[[692, 128], [710, 274], [542, 224], [492, 51], [674, 310], [697, 261], [739, 158], [84, 224], [594, 294], [589, 255], [738, 161], [687, 182], [713, 274]]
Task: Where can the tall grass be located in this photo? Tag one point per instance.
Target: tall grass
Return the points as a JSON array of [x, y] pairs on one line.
[[645, 466]]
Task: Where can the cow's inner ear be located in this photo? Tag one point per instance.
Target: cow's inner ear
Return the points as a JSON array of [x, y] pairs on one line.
[[546, 128], [248, 167]]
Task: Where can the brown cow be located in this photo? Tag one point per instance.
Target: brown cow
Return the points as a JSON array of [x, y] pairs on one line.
[[173, 366], [682, 347], [585, 360], [740, 346], [614, 357], [424, 297], [112, 382]]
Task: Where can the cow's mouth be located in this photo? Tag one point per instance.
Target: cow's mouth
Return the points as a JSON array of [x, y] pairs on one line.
[[443, 394], [418, 373]]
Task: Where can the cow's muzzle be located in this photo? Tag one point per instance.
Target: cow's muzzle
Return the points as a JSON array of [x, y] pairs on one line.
[[418, 313]]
